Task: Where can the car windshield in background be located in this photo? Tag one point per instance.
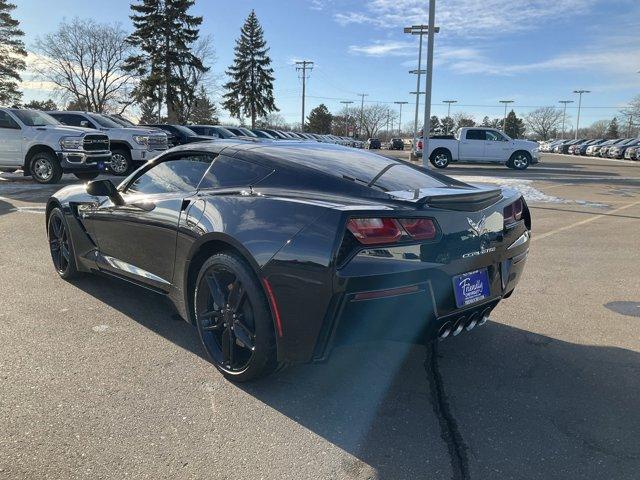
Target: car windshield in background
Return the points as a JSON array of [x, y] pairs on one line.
[[104, 121], [185, 131], [34, 118]]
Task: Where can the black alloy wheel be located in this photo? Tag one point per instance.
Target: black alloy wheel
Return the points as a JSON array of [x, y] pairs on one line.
[[60, 245], [233, 318]]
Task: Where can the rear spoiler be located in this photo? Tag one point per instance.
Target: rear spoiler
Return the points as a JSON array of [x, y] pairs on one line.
[[451, 198]]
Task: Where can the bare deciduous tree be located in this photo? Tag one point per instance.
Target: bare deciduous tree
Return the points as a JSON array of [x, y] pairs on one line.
[[373, 118], [84, 60], [544, 120]]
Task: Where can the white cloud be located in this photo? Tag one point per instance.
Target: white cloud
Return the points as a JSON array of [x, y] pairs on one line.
[[614, 61], [384, 49], [466, 18]]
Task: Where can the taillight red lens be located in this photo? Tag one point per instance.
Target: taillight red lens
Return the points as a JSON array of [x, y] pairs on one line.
[[513, 212], [419, 228], [372, 231], [419, 144]]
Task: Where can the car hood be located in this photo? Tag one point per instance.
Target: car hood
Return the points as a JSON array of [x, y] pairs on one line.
[[525, 144], [134, 131], [65, 129]]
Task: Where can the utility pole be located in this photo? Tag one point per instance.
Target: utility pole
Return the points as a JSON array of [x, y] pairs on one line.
[[504, 119], [400, 117], [303, 65], [579, 92], [449, 102], [346, 115], [427, 91], [419, 30], [361, 113], [564, 113]]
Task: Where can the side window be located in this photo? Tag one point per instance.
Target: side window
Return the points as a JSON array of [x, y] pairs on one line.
[[475, 135], [7, 122], [229, 172], [493, 136], [176, 175]]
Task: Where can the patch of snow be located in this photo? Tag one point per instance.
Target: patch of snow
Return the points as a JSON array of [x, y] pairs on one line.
[[527, 190]]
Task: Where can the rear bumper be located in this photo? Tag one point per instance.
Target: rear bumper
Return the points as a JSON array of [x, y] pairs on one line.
[[408, 300]]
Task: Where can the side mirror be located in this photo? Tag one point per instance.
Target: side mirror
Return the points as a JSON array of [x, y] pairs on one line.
[[104, 188]]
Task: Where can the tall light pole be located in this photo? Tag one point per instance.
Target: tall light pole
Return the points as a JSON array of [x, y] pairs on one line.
[[579, 92], [303, 65], [415, 120], [504, 119], [449, 102], [346, 115], [427, 90], [400, 117], [564, 113], [361, 112], [419, 30]]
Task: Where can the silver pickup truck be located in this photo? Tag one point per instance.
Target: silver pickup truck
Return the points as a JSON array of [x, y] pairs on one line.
[[40, 146], [480, 145]]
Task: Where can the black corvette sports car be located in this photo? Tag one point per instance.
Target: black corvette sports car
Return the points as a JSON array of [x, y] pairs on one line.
[[276, 251]]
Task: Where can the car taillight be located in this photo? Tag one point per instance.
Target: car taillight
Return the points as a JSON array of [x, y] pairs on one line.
[[377, 231], [419, 144], [419, 228], [372, 231], [513, 212]]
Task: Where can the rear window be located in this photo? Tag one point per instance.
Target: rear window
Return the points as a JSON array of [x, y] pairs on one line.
[[403, 177], [356, 165]]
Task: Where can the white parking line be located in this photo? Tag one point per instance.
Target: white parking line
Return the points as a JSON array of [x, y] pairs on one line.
[[582, 222]]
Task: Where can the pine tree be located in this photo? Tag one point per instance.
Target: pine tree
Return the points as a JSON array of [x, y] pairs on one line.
[[204, 111], [149, 112], [319, 120], [612, 129], [447, 125], [46, 105], [250, 88], [436, 126], [165, 33], [12, 55], [514, 126]]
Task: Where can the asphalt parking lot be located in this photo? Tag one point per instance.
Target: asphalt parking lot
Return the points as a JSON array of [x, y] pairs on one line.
[[99, 380]]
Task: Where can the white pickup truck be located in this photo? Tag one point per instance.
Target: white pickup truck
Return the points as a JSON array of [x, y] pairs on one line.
[[131, 146], [40, 146], [480, 145]]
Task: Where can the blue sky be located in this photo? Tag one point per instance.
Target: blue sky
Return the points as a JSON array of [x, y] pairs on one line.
[[534, 52]]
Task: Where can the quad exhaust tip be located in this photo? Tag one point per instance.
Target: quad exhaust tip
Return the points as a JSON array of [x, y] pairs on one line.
[[449, 328]]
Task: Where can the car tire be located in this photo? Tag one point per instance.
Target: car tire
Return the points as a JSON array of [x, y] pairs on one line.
[[440, 158], [60, 245], [86, 175], [45, 168], [520, 160], [234, 319], [120, 162]]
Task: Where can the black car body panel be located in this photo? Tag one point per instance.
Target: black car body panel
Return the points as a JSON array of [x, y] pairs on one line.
[[289, 224]]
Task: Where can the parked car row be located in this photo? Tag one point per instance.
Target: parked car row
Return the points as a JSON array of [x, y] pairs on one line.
[[628, 148], [46, 145]]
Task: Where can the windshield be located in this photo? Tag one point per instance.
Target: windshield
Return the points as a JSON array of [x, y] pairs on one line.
[[34, 118], [121, 121], [103, 121], [185, 131]]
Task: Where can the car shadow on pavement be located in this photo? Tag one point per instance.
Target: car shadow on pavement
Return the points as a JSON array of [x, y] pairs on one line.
[[151, 310], [498, 402]]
